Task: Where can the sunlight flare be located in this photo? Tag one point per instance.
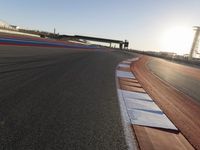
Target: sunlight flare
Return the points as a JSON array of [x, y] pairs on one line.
[[177, 39]]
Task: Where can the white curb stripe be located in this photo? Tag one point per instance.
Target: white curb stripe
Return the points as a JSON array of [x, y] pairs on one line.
[[140, 107], [141, 104], [124, 65], [125, 74], [143, 111], [136, 95], [126, 122], [151, 119]]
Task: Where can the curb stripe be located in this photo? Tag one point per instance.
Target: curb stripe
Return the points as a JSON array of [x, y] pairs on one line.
[[143, 114]]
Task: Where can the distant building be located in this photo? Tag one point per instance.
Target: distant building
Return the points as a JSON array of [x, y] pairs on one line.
[[186, 55], [14, 27], [5, 25], [167, 54]]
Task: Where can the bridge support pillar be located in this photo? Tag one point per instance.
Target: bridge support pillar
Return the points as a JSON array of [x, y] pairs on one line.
[[121, 46]]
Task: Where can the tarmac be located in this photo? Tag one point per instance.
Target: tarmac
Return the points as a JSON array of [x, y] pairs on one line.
[[58, 98]]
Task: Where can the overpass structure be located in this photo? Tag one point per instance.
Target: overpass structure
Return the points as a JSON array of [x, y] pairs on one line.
[[122, 44]]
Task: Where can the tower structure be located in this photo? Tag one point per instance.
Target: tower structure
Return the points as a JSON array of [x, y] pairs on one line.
[[195, 44]]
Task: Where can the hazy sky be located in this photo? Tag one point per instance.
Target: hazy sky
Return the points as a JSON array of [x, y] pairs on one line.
[[144, 23]]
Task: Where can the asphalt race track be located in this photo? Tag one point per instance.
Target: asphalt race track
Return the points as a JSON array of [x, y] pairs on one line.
[[184, 78], [58, 98], [62, 95]]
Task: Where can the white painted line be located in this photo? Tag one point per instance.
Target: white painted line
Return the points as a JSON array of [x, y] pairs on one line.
[[135, 95], [128, 132], [143, 111], [125, 74], [124, 65], [126, 122], [150, 118], [141, 104]]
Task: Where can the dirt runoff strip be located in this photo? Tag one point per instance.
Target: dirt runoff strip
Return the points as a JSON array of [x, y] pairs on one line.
[[182, 110]]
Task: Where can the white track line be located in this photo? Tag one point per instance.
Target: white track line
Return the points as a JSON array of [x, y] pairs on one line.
[[126, 122], [124, 65], [143, 111], [125, 74]]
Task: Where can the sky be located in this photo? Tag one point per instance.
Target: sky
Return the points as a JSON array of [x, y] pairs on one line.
[[155, 25]]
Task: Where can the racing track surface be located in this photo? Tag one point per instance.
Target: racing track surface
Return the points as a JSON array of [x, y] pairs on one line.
[[182, 109], [184, 78], [58, 98]]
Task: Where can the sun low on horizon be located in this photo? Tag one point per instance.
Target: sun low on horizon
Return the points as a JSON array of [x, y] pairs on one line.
[[177, 39]]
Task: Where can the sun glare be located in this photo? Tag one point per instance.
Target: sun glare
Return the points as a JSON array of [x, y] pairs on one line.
[[177, 39]]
